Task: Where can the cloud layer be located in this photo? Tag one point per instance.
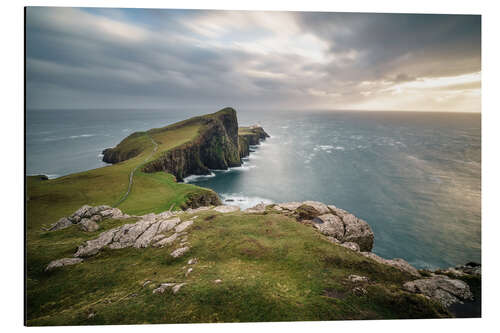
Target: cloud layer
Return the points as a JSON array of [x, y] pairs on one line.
[[134, 58]]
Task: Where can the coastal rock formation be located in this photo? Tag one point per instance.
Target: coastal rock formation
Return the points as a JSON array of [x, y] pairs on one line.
[[441, 288], [333, 222], [149, 230], [218, 145], [87, 217]]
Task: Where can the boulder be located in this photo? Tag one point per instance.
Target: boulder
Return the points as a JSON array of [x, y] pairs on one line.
[[161, 289], [307, 212], [179, 252], [226, 209], [92, 247], [167, 225], [126, 235], [62, 262], [82, 211], [330, 225], [88, 225], [183, 226], [358, 231], [357, 278], [63, 223], [147, 236], [319, 206], [260, 208], [398, 263], [441, 288], [166, 241], [96, 218]]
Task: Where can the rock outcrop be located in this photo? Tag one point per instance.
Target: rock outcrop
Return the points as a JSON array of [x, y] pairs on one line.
[[87, 217], [441, 288], [62, 262], [398, 263], [332, 221], [150, 230]]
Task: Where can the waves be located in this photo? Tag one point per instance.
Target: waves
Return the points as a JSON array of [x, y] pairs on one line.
[[195, 178], [71, 137], [244, 202]]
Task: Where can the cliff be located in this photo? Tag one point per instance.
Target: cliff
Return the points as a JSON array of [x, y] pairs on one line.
[[219, 144]]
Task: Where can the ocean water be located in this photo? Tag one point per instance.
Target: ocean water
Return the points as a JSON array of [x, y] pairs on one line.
[[414, 177]]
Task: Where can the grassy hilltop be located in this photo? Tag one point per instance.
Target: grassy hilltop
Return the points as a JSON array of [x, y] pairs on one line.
[[268, 266]]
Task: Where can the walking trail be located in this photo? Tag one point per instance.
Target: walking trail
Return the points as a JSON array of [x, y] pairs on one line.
[[131, 179]]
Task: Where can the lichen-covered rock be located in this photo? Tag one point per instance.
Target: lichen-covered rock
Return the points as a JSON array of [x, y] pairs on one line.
[[166, 241], [183, 226], [441, 288], [398, 263], [177, 287], [180, 252], [146, 237], [257, 209], [337, 211], [88, 225], [357, 278], [307, 212], [319, 206], [92, 247], [226, 209], [161, 289], [62, 262], [330, 225], [126, 235], [358, 231], [290, 205], [63, 223]]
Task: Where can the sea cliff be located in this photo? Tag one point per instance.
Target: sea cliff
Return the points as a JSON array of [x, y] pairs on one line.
[[219, 144]]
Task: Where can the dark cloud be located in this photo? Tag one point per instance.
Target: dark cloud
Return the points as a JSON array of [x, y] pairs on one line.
[[88, 58]]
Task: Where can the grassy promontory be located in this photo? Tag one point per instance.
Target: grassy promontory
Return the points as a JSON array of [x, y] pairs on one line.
[[262, 266]]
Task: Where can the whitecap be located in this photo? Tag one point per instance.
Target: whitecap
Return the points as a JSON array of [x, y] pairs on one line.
[[242, 201], [195, 178], [81, 136]]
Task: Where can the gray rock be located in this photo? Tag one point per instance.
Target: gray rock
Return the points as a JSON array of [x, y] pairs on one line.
[[337, 211], [398, 263], [161, 289], [189, 270], [351, 246], [330, 225], [62, 262], [114, 213], [196, 210], [358, 231], [96, 218], [92, 247], [177, 287], [260, 208], [290, 205], [167, 225], [179, 252], [147, 236], [319, 206], [441, 288], [166, 241], [218, 281], [183, 226], [226, 209], [75, 219], [128, 233], [192, 261], [357, 278], [63, 223], [88, 225], [82, 211]]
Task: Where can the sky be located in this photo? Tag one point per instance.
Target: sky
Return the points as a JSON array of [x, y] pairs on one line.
[[84, 58]]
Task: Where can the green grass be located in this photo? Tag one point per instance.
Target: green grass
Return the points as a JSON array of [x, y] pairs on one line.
[[272, 268]]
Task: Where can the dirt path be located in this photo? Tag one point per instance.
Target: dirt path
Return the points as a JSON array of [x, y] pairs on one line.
[[131, 178]]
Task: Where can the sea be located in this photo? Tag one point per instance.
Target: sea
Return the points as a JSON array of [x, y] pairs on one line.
[[415, 177]]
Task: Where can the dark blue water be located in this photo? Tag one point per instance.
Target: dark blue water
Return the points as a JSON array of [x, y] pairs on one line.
[[414, 177]]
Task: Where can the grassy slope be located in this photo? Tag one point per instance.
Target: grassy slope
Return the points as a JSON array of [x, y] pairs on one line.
[[272, 268]]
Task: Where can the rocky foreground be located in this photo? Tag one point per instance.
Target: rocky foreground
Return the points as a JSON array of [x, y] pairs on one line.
[[171, 231]]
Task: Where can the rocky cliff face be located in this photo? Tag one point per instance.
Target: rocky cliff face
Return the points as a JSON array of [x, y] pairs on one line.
[[216, 147]]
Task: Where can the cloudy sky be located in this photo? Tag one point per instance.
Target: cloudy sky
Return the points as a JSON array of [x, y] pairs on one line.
[[150, 58]]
